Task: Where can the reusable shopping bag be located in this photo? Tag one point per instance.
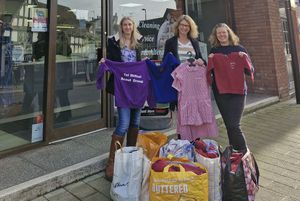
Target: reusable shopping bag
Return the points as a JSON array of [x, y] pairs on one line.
[[128, 174], [179, 185], [240, 176], [251, 173], [213, 165], [144, 195], [151, 142]]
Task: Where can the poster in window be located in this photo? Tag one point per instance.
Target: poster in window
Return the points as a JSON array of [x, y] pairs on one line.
[[39, 19], [155, 33]]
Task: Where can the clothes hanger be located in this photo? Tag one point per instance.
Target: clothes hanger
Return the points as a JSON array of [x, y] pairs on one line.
[[190, 59]]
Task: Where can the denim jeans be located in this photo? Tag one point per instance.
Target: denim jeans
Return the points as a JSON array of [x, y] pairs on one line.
[[127, 117]]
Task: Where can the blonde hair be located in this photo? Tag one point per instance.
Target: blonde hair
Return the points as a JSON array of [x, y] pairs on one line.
[[232, 37], [193, 33], [134, 35]]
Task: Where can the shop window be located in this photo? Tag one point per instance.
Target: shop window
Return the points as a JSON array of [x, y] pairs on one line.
[[286, 35], [78, 38], [154, 20], [22, 77], [206, 14]]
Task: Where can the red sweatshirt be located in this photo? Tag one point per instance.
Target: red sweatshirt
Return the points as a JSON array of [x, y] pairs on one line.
[[229, 72]]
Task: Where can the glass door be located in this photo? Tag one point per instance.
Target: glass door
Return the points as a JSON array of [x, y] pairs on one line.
[[77, 104], [206, 14], [21, 73]]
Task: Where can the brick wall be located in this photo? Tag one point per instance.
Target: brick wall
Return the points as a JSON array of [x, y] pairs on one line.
[[259, 27]]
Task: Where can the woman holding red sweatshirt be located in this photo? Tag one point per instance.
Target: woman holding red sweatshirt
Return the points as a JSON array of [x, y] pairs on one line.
[[227, 65]]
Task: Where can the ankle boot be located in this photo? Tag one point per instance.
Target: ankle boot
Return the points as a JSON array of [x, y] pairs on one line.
[[132, 136], [109, 170]]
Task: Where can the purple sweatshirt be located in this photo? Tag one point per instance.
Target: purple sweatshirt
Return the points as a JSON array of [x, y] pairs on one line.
[[132, 83]]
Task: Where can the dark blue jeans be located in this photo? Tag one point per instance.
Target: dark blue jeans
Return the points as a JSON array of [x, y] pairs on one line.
[[231, 107], [127, 118]]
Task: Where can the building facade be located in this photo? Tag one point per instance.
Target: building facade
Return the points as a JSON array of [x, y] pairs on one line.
[[50, 50]]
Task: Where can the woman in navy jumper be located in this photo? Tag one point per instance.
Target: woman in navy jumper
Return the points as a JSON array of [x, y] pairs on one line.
[[123, 47], [231, 106], [184, 44]]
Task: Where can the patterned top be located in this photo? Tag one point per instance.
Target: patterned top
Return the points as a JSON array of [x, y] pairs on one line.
[[195, 114], [128, 55], [183, 50]]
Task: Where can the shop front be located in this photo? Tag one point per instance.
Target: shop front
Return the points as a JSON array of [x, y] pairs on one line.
[[50, 50], [49, 53]]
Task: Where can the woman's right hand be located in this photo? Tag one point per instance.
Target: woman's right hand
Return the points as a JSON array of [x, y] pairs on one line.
[[211, 55], [102, 60]]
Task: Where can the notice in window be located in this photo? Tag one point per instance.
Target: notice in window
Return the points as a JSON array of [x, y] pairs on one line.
[[39, 20]]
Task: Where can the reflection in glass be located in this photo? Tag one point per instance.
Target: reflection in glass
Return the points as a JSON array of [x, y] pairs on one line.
[[21, 74], [78, 41], [154, 20]]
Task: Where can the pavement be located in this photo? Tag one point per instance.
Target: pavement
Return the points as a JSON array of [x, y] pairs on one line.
[[73, 169]]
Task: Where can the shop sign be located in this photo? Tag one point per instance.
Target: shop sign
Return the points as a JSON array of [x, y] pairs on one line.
[[155, 33], [39, 20]]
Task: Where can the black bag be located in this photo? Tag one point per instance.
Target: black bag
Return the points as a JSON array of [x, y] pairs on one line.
[[110, 87], [233, 183]]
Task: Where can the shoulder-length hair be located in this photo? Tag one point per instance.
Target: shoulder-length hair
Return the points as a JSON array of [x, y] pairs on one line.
[[232, 37], [193, 33], [135, 35]]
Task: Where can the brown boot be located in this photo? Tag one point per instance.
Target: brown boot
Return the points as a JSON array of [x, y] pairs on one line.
[[109, 170], [132, 136]]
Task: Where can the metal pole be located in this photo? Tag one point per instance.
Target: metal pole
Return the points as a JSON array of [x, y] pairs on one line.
[[295, 62], [145, 10]]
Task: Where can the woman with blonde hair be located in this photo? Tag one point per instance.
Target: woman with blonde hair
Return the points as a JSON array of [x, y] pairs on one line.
[[123, 47], [226, 77], [184, 44], [184, 40]]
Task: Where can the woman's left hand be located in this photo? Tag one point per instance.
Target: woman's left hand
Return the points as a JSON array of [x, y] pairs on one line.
[[199, 62], [241, 54]]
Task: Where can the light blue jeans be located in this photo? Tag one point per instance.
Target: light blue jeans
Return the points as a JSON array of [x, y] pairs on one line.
[[127, 117]]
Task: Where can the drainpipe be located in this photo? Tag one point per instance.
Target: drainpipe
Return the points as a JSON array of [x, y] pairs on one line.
[[295, 62]]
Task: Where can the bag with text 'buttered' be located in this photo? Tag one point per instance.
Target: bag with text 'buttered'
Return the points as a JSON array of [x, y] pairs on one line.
[[177, 181]]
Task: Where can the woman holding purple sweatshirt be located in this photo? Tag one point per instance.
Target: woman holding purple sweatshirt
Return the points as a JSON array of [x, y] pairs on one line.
[[123, 47]]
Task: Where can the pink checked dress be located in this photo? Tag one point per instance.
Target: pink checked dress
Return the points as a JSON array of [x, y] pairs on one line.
[[195, 116]]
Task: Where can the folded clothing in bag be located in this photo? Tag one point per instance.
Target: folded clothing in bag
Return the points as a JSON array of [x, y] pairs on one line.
[[160, 164], [206, 148]]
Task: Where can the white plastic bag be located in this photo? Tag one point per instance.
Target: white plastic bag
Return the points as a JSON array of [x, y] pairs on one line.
[[128, 174], [213, 165], [144, 196]]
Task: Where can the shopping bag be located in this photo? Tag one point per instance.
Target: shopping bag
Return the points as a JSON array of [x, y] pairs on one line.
[[213, 165], [178, 186], [240, 176], [151, 143], [144, 195], [128, 174], [251, 174], [233, 181]]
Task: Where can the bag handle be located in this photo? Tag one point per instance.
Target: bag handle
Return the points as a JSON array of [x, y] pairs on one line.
[[117, 143], [166, 169]]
